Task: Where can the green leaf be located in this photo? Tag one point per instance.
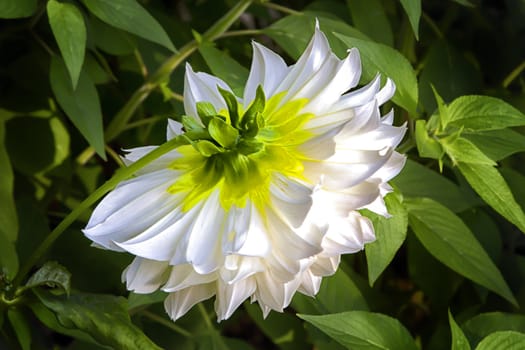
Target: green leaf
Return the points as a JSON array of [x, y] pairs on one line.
[[427, 147], [390, 235], [136, 300], [69, 30], [389, 62], [492, 188], [21, 327], [459, 341], [103, 317], [110, 39], [363, 330], [504, 340], [449, 72], [369, 17], [497, 144], [413, 11], [466, 3], [8, 216], [483, 113], [8, 257], [130, 16], [81, 105], [51, 274], [46, 131], [449, 240], [414, 180], [482, 325], [223, 66], [462, 150], [222, 132], [17, 8]]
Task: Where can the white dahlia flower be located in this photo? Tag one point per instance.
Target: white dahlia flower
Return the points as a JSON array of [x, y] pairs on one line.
[[264, 198]]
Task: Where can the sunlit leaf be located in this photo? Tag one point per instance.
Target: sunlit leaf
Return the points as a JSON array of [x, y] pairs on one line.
[[459, 341], [69, 30], [390, 235], [363, 330], [130, 16], [450, 241], [483, 113], [482, 325], [413, 11], [492, 188], [497, 144], [8, 257], [81, 105], [504, 340]]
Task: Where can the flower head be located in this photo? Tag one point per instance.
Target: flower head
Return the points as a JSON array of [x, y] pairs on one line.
[[264, 198]]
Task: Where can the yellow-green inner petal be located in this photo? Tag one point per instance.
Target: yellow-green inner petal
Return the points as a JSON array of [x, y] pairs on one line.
[[240, 165]]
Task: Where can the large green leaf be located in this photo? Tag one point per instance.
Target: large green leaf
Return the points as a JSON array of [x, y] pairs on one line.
[[225, 67], [46, 131], [504, 340], [450, 241], [462, 150], [69, 30], [363, 330], [103, 317], [21, 327], [130, 16], [483, 113], [413, 11], [459, 341], [390, 235], [293, 33], [8, 217], [497, 144], [17, 8], [369, 17], [8, 257], [480, 326], [416, 180], [492, 188], [81, 105], [379, 58]]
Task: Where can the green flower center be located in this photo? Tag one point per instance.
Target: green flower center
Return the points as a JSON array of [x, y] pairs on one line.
[[237, 151]]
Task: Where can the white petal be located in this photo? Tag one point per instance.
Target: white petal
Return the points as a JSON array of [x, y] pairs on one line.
[[145, 198], [310, 283], [311, 60], [174, 129], [145, 276], [290, 199], [177, 304], [268, 70], [230, 296], [348, 235], [237, 268], [256, 240], [386, 92], [161, 163], [202, 87], [185, 276], [325, 265]]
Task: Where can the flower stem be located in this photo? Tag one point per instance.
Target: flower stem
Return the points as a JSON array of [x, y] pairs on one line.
[[121, 175], [166, 323], [281, 8], [124, 115], [513, 75], [205, 316]]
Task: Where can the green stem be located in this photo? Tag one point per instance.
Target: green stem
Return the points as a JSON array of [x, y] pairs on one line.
[[513, 75], [124, 115], [121, 175], [164, 322], [205, 316], [281, 8]]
